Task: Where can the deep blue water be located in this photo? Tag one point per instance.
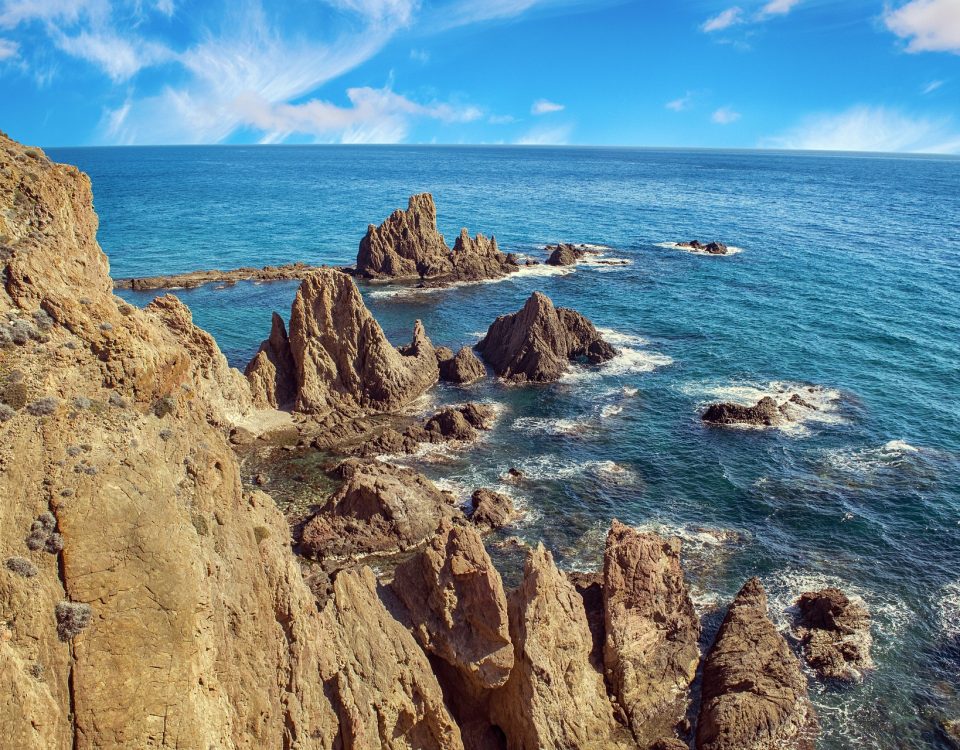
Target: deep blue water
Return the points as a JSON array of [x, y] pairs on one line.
[[849, 278]]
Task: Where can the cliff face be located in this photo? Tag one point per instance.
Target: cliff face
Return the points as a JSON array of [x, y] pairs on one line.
[[408, 246], [335, 358], [166, 609]]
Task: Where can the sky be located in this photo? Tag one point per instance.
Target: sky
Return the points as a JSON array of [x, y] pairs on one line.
[[863, 75]]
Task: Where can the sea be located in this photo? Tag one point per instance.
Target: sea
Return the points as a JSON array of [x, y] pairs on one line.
[[845, 279]]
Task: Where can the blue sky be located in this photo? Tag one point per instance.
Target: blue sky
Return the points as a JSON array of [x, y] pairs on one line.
[[870, 75]]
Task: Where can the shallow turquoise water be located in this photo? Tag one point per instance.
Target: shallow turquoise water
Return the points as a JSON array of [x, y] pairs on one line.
[[849, 278]]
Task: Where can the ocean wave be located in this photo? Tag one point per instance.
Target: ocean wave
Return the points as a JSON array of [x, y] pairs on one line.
[[628, 361], [552, 467], [948, 604], [558, 426], [891, 454], [731, 249], [610, 410], [826, 401], [619, 338]]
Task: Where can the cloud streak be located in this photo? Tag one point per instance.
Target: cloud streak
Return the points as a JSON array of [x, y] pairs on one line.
[[724, 116], [723, 20], [545, 107], [866, 128]]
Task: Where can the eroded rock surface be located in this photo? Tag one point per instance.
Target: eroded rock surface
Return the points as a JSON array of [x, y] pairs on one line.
[[767, 412], [342, 363], [566, 254], [461, 368], [193, 279], [552, 671], [651, 652], [491, 510], [380, 509], [834, 633], [452, 423], [407, 246], [537, 343], [754, 693]]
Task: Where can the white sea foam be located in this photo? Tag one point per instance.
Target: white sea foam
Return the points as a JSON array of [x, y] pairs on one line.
[[628, 361], [826, 401], [554, 467], [619, 338], [731, 249], [871, 460], [559, 426], [610, 410], [948, 604]]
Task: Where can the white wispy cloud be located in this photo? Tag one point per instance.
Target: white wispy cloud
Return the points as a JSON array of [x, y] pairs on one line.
[[928, 25], [778, 7], [8, 49], [421, 56], [546, 136], [725, 116], [501, 119], [120, 58], [723, 20], [545, 107], [866, 128], [932, 86], [682, 103]]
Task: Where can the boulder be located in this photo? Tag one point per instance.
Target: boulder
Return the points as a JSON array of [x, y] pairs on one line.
[[564, 254], [765, 413], [537, 343], [385, 693], [458, 608], [380, 509], [336, 358], [450, 423], [491, 510], [834, 634], [462, 368], [651, 651], [754, 694], [407, 246], [554, 697], [716, 248]]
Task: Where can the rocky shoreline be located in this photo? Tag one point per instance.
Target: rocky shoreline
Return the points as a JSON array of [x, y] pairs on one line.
[[194, 279], [153, 596]]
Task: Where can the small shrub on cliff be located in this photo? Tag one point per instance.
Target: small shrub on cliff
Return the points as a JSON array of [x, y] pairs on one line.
[[42, 320], [54, 543], [260, 533], [117, 400], [41, 531], [36, 670], [72, 618], [164, 406], [43, 407], [5, 338], [13, 393], [22, 331], [81, 402], [74, 450], [33, 153], [165, 434], [6, 412], [126, 309], [21, 567], [106, 327]]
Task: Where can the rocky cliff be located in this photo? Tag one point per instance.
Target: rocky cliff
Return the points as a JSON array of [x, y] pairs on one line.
[[408, 246], [335, 359]]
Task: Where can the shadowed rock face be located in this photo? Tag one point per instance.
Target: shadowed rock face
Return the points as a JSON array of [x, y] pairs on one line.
[[336, 357], [565, 254], [651, 652], [461, 368], [835, 634], [554, 697], [754, 692], [765, 413], [458, 608], [537, 343], [407, 246], [380, 509], [452, 423], [491, 510]]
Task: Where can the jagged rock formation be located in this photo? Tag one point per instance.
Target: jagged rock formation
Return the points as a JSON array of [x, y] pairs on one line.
[[552, 672], [537, 343], [713, 248], [834, 633], [193, 279], [491, 510], [754, 694], [380, 509], [342, 363], [407, 246], [651, 652], [458, 608], [448, 424], [384, 691], [461, 368]]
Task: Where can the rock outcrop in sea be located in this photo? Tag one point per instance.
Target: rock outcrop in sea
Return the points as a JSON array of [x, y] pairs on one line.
[[461, 368], [537, 343], [754, 693], [834, 633], [407, 245], [452, 423], [712, 248], [335, 358], [566, 254], [765, 413]]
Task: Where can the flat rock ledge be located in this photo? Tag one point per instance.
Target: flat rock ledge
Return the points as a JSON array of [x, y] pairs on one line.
[[193, 279], [537, 343]]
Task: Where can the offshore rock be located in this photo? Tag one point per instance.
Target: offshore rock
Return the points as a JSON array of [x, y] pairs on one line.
[[537, 343], [554, 697], [754, 694], [450, 423], [380, 509], [341, 360], [461, 368], [651, 651], [566, 254], [713, 248], [765, 413], [407, 246], [834, 634], [491, 510], [193, 279], [458, 607], [385, 693]]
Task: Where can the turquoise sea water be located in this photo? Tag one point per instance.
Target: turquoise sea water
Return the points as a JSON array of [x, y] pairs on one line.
[[849, 278]]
